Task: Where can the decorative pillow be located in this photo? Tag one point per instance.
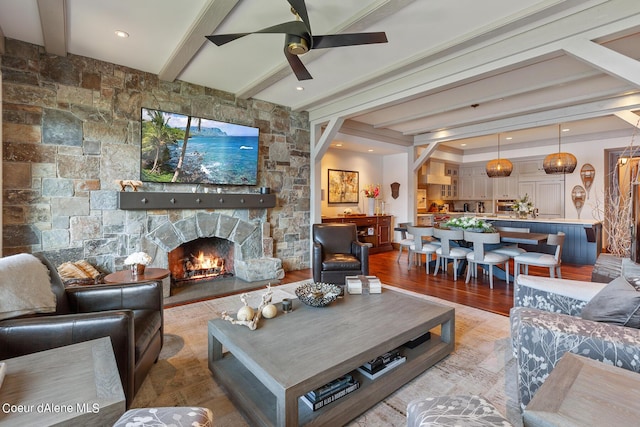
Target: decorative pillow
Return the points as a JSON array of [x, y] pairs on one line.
[[617, 303], [77, 270], [25, 287]]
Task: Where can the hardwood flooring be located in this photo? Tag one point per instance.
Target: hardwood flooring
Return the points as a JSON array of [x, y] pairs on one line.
[[474, 294]]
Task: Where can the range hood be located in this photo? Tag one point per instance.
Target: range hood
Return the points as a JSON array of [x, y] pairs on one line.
[[432, 172]]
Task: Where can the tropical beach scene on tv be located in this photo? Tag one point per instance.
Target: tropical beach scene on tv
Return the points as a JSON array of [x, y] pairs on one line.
[[194, 150]]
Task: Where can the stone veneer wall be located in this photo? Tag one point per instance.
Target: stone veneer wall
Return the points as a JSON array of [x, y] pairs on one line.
[[71, 127]]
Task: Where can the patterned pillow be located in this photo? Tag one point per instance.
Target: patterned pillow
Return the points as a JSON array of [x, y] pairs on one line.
[[617, 303], [77, 270]]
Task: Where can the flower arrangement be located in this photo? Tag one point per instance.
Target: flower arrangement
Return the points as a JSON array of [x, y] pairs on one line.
[[470, 223], [138, 258], [523, 206], [371, 191]]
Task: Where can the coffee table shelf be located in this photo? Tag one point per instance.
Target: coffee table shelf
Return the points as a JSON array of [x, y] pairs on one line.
[[264, 375]]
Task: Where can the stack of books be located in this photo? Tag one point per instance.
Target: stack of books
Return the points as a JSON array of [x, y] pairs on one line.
[[382, 364], [331, 392]]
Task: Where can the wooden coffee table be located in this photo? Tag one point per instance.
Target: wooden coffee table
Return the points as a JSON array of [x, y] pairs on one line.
[[267, 370], [74, 385]]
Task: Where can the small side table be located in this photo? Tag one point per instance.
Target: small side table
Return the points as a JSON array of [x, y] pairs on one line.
[[125, 276], [581, 391]]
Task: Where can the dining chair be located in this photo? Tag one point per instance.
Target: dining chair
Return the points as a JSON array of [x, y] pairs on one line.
[[447, 251], [481, 257], [405, 242], [511, 250], [552, 261], [419, 246]]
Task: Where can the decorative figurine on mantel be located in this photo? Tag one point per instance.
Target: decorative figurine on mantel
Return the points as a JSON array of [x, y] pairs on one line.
[[249, 317]]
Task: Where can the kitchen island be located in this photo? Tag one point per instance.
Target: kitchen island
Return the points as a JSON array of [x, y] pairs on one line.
[[583, 237]]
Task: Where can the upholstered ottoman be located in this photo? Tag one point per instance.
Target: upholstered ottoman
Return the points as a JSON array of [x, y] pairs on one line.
[[453, 411], [168, 416]]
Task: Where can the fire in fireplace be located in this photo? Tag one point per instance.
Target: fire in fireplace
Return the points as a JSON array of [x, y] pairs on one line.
[[202, 259]]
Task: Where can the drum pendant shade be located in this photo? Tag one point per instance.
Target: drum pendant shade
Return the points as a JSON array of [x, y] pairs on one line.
[[559, 162], [498, 167]]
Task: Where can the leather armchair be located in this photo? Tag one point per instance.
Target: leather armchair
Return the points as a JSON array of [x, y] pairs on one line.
[[130, 314], [337, 253]]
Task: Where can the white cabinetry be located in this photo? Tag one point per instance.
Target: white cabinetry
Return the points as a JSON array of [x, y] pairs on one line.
[[450, 192], [506, 187], [547, 196], [475, 184], [531, 167]]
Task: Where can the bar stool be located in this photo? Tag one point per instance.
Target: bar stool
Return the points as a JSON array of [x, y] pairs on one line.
[[419, 246], [553, 262], [480, 256], [446, 251]]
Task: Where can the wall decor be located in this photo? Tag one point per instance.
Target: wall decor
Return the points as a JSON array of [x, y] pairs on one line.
[[343, 186], [395, 189], [587, 174], [578, 196]]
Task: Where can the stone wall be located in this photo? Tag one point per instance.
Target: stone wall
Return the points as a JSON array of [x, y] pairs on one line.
[[71, 127]]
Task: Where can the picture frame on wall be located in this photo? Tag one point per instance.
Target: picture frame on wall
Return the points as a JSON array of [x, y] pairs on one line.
[[344, 186]]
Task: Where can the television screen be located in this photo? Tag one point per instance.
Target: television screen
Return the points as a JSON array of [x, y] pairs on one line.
[[195, 150]]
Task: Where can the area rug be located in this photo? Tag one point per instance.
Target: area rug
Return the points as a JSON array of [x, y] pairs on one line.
[[481, 364]]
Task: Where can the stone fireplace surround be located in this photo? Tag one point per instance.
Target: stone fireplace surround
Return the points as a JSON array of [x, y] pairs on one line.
[[253, 245]]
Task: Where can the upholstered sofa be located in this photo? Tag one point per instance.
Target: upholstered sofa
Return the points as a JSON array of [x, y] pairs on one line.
[[553, 316], [130, 314]]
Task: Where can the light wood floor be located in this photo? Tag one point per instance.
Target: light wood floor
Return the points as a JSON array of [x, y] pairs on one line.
[[474, 294]]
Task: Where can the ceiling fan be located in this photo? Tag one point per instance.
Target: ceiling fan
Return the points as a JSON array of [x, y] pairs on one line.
[[299, 39]]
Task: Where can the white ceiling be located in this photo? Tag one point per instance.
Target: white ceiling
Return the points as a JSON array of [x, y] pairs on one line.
[[454, 71]]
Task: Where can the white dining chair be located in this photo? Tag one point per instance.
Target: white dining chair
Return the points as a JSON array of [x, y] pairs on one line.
[[552, 261], [448, 252], [481, 257], [511, 250], [405, 242], [419, 246]]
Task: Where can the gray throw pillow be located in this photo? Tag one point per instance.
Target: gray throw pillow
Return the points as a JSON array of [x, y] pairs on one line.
[[617, 303]]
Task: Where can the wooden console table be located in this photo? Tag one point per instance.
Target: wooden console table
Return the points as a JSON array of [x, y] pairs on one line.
[[371, 229]]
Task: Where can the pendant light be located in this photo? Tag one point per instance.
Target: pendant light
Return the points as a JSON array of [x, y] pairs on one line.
[[559, 162], [499, 167]]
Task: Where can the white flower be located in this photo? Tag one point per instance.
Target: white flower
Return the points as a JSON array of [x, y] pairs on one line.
[[469, 223], [137, 258]]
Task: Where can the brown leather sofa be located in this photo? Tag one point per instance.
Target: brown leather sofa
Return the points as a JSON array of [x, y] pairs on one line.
[[130, 314], [337, 253]]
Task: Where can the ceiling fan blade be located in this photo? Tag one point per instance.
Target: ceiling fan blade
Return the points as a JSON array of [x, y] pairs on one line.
[[292, 27], [337, 40], [297, 66], [301, 8]]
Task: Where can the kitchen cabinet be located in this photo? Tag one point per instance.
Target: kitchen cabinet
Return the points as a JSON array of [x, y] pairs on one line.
[[531, 167], [505, 187], [450, 191], [371, 229], [475, 184], [547, 196]]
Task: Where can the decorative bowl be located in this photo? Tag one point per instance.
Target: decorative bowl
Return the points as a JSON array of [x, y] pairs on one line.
[[317, 294]]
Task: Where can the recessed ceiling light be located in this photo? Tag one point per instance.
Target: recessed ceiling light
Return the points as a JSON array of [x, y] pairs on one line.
[[463, 145], [338, 145], [299, 88], [370, 150], [509, 138], [566, 130], [122, 34]]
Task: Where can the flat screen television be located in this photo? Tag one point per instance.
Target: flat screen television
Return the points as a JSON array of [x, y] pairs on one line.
[[195, 150]]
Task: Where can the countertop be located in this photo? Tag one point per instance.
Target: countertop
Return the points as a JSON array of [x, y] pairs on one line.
[[542, 220]]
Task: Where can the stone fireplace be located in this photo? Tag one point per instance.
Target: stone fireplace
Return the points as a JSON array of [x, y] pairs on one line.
[[249, 243], [203, 259]]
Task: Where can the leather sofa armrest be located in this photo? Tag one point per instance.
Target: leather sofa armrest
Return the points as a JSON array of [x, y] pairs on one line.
[[32, 334], [127, 296], [316, 262], [540, 339]]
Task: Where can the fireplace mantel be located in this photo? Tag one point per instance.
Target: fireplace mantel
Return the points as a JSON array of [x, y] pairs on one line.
[[167, 200]]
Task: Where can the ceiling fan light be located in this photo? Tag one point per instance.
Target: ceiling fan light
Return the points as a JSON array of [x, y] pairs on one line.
[[499, 168], [559, 163]]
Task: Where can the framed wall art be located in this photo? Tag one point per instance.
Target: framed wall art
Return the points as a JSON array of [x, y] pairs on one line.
[[343, 186]]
